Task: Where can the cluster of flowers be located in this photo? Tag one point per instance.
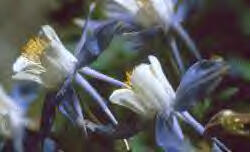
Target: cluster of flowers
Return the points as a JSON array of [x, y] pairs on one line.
[[147, 92]]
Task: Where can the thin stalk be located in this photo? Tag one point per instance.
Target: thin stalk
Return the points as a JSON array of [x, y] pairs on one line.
[[188, 118], [98, 75], [177, 129], [176, 53], [91, 90], [48, 115], [186, 38], [83, 38]]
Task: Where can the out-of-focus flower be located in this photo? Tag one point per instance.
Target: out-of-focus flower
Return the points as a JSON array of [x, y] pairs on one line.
[[150, 12], [24, 93], [45, 60], [148, 92], [12, 120], [166, 14], [9, 111]]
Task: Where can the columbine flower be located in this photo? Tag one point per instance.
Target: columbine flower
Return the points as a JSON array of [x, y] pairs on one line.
[[161, 13], [149, 91], [150, 12], [44, 60]]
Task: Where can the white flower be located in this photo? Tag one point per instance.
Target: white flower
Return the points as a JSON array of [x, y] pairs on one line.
[[45, 60], [149, 91], [150, 12], [10, 115]]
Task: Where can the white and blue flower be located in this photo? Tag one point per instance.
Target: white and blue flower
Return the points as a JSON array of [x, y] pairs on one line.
[[45, 60]]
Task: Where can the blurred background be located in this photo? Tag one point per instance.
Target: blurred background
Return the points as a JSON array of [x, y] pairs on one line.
[[219, 28]]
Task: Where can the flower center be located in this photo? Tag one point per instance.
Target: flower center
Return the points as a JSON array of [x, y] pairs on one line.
[[143, 3], [128, 78], [34, 48]]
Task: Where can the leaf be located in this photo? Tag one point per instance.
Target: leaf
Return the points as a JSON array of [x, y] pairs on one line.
[[199, 80], [228, 93], [200, 109], [240, 68], [138, 143]]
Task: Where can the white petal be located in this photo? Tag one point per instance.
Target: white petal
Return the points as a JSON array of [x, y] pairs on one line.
[[48, 32], [164, 10], [130, 5], [27, 76], [149, 88], [27, 70], [159, 74], [147, 15], [57, 60], [128, 99], [57, 51], [59, 63], [21, 63], [141, 82]]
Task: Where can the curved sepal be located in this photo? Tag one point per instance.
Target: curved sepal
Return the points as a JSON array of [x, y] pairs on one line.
[[199, 80], [166, 136]]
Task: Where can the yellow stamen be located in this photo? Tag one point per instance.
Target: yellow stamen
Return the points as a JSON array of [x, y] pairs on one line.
[[34, 48], [128, 78], [217, 58], [143, 3]]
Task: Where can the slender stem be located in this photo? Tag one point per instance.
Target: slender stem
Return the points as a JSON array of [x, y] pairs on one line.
[[80, 118], [98, 75], [48, 114], [220, 144], [91, 90], [188, 118], [177, 56], [83, 38], [177, 129], [186, 38]]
